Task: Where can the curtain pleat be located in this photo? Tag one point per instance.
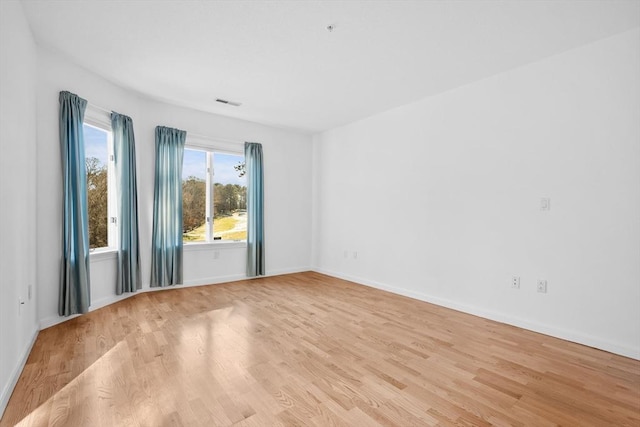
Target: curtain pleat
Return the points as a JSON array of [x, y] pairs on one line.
[[128, 276], [255, 209], [166, 256], [74, 295]]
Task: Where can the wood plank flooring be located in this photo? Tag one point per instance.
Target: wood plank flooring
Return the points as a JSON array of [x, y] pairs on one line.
[[311, 350]]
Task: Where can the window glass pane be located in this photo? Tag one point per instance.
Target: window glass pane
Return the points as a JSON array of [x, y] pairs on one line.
[[194, 196], [229, 197], [96, 155]]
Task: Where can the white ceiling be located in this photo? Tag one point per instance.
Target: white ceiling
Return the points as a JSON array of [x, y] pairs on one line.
[[287, 70]]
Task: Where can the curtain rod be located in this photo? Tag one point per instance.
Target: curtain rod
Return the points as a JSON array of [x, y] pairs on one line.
[[104, 110], [100, 108], [214, 139], [195, 135]]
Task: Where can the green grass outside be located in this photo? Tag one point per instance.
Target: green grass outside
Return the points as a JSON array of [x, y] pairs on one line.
[[196, 235], [225, 223], [236, 235], [220, 225]]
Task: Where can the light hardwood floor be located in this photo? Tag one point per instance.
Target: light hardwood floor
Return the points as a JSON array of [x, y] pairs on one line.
[[311, 350]]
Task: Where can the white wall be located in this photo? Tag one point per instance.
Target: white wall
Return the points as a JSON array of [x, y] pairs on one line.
[[441, 198], [18, 324], [287, 157]]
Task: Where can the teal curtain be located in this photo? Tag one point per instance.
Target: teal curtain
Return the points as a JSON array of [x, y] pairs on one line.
[[124, 153], [166, 256], [74, 295], [255, 209]]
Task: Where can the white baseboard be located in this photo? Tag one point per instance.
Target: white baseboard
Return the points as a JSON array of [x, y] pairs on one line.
[[47, 322], [103, 302], [208, 281], [283, 271], [15, 375], [532, 325], [237, 277]]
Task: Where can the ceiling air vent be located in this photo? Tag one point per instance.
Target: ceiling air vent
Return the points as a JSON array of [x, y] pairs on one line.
[[224, 101]]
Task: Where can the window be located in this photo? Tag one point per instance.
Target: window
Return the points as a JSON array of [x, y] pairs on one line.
[[214, 196], [98, 147]]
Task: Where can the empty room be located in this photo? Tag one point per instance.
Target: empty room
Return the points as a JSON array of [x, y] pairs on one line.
[[319, 213]]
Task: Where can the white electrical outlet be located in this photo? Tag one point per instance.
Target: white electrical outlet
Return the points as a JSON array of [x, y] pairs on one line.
[[515, 282], [355, 254], [216, 254], [542, 286]]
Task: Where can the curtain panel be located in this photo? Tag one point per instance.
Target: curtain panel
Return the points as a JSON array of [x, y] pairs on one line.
[[74, 295], [166, 256], [128, 276], [255, 209]]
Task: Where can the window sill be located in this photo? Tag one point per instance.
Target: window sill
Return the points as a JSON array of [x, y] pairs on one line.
[[206, 246], [103, 254]]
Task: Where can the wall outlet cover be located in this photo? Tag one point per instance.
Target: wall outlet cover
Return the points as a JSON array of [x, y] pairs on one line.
[[542, 286]]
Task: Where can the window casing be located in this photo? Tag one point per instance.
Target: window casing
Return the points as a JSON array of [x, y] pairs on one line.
[[103, 223], [214, 194]]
